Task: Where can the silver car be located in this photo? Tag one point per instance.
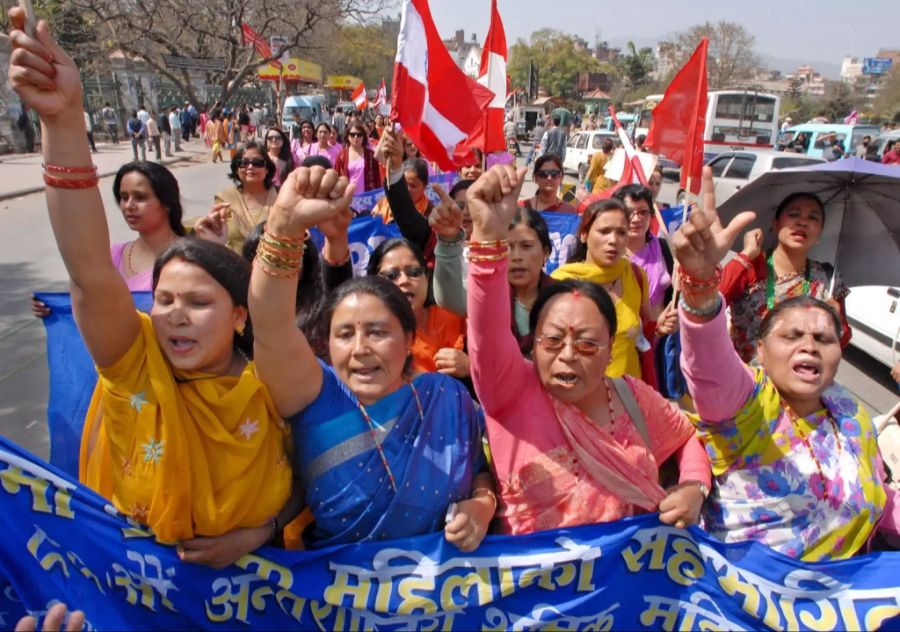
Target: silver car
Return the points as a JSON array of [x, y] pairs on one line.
[[734, 169]]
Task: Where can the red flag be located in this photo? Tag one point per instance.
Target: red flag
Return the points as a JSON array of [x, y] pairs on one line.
[[488, 136], [436, 104], [359, 97], [249, 36], [680, 118], [381, 96]]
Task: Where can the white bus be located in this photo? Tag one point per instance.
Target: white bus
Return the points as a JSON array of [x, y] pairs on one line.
[[735, 120]]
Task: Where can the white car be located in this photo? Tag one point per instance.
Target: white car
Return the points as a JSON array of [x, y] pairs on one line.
[[734, 169], [874, 315], [581, 146]]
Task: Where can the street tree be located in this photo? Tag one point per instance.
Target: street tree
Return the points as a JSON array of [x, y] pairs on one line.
[[732, 60], [362, 50], [560, 57], [211, 29], [887, 103], [636, 66]]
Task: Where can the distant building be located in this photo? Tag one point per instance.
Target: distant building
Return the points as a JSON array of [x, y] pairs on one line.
[[604, 52], [811, 82], [590, 81], [466, 54], [851, 69], [666, 58]]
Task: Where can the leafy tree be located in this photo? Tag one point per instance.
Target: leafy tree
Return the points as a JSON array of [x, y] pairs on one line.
[[732, 60], [560, 57], [887, 103], [363, 50], [636, 66], [840, 100], [149, 29]]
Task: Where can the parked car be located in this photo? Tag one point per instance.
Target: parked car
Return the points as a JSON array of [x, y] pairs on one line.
[[580, 148], [734, 169], [882, 140], [874, 316]]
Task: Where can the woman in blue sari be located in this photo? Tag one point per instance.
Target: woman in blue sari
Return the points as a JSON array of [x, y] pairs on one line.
[[381, 456]]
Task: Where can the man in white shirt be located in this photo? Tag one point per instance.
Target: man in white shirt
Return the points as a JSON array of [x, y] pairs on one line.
[[175, 124], [143, 114], [90, 131]]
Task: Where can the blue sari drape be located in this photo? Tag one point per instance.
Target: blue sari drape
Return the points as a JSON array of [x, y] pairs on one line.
[[433, 457]]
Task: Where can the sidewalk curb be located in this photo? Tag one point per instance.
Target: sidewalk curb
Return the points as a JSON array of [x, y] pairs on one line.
[[100, 174]]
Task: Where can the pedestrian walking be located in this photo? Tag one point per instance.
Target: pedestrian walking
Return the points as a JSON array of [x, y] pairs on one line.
[[555, 139], [154, 136], [24, 124], [138, 134], [244, 123], [111, 120], [88, 126], [195, 120], [175, 126], [163, 121], [186, 122], [143, 114]]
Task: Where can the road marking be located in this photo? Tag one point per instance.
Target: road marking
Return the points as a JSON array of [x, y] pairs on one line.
[[31, 425], [22, 366]]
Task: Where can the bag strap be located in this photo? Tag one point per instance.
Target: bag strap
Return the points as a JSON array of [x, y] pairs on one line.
[[631, 407]]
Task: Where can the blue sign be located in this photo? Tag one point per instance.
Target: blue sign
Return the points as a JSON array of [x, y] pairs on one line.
[[63, 542], [876, 65]]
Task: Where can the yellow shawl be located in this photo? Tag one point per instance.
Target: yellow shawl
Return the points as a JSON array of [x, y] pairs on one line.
[[624, 357], [242, 219], [188, 455]]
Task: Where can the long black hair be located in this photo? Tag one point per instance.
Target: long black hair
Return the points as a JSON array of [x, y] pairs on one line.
[[227, 268], [164, 185], [284, 154], [536, 222], [239, 155], [400, 242]]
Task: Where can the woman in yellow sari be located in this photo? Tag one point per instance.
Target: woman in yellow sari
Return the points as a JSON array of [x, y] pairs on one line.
[[181, 435], [600, 257]]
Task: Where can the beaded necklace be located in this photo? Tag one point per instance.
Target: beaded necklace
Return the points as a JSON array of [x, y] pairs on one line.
[[805, 440], [771, 279], [378, 447]]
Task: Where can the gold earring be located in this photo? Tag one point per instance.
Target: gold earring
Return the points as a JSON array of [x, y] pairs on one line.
[[239, 328]]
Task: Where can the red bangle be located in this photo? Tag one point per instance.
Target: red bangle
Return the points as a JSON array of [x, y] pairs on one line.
[[60, 169], [64, 183], [337, 263], [688, 281]]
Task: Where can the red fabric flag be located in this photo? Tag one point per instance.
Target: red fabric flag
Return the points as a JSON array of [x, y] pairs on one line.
[[437, 105], [488, 136], [381, 97], [680, 118], [251, 37], [359, 97]]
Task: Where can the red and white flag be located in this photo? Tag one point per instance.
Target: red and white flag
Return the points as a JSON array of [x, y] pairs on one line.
[[251, 37], [437, 105], [380, 96], [489, 137], [359, 97]]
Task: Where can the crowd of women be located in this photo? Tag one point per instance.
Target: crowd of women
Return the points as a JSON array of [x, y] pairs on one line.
[[270, 396]]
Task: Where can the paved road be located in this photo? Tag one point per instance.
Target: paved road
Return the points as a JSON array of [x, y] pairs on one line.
[[29, 260]]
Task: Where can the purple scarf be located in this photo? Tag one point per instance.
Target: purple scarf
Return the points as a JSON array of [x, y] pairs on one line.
[[651, 259]]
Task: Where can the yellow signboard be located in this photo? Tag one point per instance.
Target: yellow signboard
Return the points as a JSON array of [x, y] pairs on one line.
[[294, 69], [342, 82]]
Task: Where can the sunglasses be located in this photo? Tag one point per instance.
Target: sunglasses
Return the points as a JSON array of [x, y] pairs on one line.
[[252, 162], [355, 135], [411, 272], [549, 173], [273, 139], [583, 346]]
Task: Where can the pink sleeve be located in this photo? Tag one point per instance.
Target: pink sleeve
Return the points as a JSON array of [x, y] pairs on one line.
[[115, 252], [890, 518], [498, 368], [717, 379], [693, 463]]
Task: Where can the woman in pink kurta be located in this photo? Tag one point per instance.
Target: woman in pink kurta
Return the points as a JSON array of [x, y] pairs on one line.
[[560, 461]]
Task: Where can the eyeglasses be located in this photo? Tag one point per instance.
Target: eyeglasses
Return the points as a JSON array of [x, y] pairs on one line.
[[549, 173], [582, 346], [274, 139], [252, 162], [411, 272], [355, 134]]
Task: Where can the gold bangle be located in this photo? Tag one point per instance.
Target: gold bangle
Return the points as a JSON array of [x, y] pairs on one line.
[[280, 264], [290, 240], [293, 257], [485, 492], [281, 243], [494, 244], [261, 265], [482, 258]]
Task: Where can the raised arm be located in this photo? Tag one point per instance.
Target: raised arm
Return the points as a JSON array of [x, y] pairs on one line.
[[497, 366], [47, 81], [719, 382], [412, 224], [285, 362], [446, 219]]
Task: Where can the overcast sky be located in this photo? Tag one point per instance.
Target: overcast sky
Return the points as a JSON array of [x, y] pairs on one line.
[[814, 30]]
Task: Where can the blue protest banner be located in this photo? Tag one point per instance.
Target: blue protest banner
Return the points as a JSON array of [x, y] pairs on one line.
[[62, 542], [672, 217], [72, 377], [363, 203], [563, 228]]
